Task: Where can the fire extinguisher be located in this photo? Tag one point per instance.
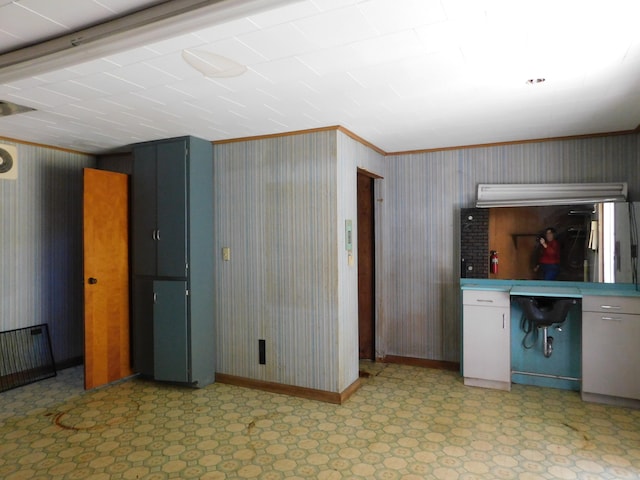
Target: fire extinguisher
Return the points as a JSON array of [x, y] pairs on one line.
[[493, 262]]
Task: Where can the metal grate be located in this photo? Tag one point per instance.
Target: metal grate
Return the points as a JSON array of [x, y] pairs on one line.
[[25, 356]]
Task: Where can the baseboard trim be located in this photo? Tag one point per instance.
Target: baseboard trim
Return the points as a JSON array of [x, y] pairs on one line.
[[422, 362], [292, 390]]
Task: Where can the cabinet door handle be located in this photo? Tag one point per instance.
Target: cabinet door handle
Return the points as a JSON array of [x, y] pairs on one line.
[[612, 319], [155, 297], [484, 300], [158, 234], [503, 324], [153, 235], [610, 307]]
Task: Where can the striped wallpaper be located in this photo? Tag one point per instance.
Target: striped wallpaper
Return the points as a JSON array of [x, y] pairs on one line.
[[351, 156], [41, 246], [281, 204], [275, 207], [424, 194]]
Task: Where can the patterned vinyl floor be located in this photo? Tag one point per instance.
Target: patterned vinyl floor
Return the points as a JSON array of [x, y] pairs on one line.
[[405, 422]]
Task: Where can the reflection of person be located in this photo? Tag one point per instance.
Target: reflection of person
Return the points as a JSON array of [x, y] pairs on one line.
[[549, 259]]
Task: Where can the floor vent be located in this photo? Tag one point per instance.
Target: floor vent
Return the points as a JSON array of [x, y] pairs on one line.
[[25, 356]]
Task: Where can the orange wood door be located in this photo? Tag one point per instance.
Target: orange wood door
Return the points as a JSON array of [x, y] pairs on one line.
[[366, 268], [106, 277]]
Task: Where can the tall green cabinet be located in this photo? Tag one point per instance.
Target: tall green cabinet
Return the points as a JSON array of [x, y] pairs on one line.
[[172, 229]]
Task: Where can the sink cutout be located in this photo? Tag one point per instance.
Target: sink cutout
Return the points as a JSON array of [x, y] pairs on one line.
[[543, 313]]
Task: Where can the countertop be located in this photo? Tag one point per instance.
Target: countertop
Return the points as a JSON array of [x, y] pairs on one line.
[[550, 288]]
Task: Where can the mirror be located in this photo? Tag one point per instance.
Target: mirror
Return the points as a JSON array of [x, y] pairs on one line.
[[597, 242]]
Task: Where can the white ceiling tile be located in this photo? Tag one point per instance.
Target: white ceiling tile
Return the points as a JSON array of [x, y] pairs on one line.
[[283, 70], [380, 67], [288, 13], [143, 75], [447, 35], [336, 27], [175, 44], [173, 65], [75, 90], [226, 30], [39, 98], [326, 5], [235, 50], [126, 6], [389, 17], [108, 83], [129, 57], [277, 42], [26, 83], [73, 14], [23, 24], [94, 66]]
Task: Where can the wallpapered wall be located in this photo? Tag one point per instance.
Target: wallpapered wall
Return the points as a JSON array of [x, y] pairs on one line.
[[281, 205], [275, 207], [41, 246], [424, 194]]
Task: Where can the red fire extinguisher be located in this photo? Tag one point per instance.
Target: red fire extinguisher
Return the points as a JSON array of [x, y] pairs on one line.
[[493, 262]]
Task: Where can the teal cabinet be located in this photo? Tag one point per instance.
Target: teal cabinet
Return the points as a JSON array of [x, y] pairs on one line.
[[172, 217], [160, 209], [170, 342]]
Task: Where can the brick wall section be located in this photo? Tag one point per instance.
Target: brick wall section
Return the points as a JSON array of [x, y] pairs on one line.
[[474, 242]]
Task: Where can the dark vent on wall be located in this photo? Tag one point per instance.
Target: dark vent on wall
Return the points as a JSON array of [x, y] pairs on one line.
[[25, 356], [8, 108]]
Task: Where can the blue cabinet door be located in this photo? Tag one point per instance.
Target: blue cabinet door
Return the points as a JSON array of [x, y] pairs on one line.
[[142, 326], [172, 208], [170, 348], [144, 210]]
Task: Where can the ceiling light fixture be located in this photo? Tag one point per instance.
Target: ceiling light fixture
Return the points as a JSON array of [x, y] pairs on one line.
[[212, 65], [9, 108], [535, 81], [162, 21], [524, 194]]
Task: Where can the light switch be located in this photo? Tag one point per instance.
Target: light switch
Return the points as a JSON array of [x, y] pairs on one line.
[[226, 253]]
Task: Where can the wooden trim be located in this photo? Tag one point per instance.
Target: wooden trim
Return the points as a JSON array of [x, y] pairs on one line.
[[338, 128], [350, 390], [518, 142], [422, 362], [42, 145], [275, 135], [369, 174], [361, 140], [292, 390]]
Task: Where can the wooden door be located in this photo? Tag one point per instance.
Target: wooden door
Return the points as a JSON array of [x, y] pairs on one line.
[[366, 268], [106, 277]]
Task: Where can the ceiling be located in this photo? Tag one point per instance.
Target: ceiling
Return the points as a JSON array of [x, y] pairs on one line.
[[404, 75]]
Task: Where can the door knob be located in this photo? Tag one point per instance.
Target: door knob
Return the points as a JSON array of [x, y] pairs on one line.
[[93, 281]]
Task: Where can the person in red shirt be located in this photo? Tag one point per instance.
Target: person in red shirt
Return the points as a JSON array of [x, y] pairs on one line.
[[549, 259]]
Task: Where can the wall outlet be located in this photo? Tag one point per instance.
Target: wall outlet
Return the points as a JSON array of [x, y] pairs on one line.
[[262, 352]]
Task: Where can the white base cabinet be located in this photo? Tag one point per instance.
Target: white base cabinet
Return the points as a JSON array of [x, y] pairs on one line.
[[611, 349], [486, 352]]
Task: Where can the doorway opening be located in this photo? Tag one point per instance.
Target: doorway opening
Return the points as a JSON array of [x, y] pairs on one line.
[[366, 266]]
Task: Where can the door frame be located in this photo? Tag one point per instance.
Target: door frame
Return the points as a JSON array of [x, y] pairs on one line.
[[378, 353]]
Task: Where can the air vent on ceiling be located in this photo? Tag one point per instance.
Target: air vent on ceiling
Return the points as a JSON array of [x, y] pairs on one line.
[[8, 108], [8, 162]]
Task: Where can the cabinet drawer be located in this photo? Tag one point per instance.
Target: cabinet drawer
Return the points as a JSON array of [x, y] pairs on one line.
[[596, 303], [610, 354], [488, 298]]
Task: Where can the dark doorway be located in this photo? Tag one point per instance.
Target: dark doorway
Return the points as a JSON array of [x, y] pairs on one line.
[[366, 267]]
